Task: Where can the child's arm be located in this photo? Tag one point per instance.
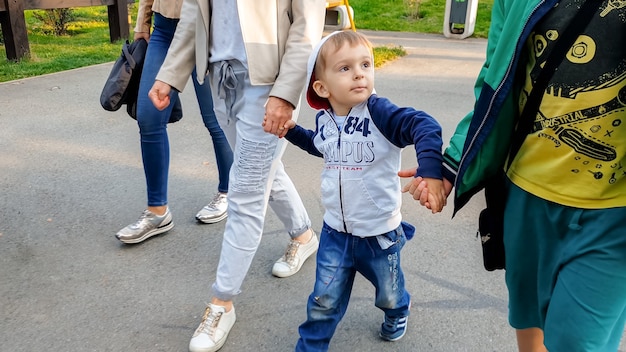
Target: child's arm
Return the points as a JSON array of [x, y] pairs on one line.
[[301, 137], [404, 126]]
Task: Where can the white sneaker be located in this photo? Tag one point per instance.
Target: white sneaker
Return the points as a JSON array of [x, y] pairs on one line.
[[148, 225], [215, 211], [295, 255], [211, 335]]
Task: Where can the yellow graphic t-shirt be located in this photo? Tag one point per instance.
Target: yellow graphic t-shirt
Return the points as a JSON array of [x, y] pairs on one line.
[[575, 153]]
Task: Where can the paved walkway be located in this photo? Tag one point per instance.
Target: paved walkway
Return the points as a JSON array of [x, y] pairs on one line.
[[71, 176]]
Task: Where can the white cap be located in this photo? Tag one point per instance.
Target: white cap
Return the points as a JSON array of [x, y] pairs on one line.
[[314, 100]]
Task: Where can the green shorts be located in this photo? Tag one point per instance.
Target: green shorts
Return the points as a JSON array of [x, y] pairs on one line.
[[566, 272]]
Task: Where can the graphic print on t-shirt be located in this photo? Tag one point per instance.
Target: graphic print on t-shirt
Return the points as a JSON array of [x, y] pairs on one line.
[[579, 133]]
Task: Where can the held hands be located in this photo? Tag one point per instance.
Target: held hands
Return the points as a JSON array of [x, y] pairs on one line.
[[431, 193], [435, 197], [159, 94], [278, 114]]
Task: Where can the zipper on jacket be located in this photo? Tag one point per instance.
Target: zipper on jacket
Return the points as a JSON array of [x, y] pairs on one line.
[[340, 130]]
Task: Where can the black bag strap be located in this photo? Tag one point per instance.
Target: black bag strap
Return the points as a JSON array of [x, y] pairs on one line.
[[128, 55], [564, 43]]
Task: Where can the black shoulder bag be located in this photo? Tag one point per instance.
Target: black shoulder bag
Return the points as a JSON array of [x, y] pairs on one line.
[[491, 219], [123, 82], [122, 85]]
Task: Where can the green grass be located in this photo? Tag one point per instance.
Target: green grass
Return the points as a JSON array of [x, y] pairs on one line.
[[87, 43], [383, 54], [88, 40], [393, 15]]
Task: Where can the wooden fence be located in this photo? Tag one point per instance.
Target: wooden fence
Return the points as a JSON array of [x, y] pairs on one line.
[[14, 24]]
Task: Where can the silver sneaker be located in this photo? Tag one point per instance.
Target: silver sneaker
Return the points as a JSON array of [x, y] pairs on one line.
[[295, 255], [215, 211], [212, 332], [148, 225]]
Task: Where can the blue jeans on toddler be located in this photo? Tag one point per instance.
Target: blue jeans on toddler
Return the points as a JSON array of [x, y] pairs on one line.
[[155, 150], [339, 257]]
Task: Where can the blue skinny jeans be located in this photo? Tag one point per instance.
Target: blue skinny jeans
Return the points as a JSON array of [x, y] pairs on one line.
[[155, 150]]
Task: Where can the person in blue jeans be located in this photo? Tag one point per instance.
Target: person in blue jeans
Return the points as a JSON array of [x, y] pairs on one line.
[[157, 218], [361, 136]]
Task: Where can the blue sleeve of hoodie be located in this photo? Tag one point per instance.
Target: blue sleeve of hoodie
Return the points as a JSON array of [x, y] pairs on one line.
[[303, 138], [404, 126]]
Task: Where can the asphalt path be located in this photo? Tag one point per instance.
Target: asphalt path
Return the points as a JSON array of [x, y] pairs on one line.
[[71, 176]]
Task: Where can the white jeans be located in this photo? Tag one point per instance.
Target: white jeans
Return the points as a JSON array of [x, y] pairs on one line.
[[256, 176]]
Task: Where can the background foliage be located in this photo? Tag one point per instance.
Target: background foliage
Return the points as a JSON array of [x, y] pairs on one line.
[[85, 38]]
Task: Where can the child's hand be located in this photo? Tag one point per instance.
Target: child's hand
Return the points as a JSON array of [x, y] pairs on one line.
[[416, 186], [436, 194], [289, 125], [419, 190]]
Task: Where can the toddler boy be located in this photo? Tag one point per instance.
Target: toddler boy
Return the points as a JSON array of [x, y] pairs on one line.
[[361, 136]]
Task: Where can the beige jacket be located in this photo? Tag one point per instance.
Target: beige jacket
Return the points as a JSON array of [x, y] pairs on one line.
[[167, 8], [278, 37]]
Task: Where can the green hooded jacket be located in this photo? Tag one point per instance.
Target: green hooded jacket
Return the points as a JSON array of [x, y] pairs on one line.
[[479, 147]]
